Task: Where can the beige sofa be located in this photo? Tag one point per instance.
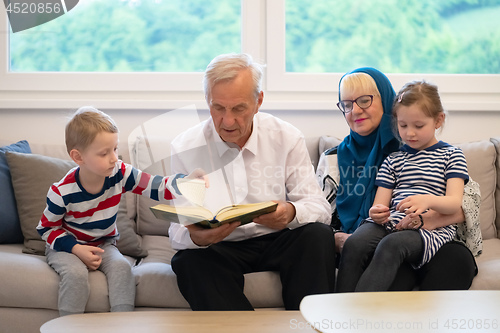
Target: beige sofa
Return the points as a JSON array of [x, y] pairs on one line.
[[29, 287]]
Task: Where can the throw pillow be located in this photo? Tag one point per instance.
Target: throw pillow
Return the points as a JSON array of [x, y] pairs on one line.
[[496, 142], [10, 228], [481, 156], [151, 155], [130, 242], [32, 175], [326, 142]]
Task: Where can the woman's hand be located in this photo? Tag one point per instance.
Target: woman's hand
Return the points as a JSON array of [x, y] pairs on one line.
[[340, 238], [410, 221]]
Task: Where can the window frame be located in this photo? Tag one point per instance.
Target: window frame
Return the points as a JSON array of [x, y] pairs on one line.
[[263, 36], [458, 91], [144, 90]]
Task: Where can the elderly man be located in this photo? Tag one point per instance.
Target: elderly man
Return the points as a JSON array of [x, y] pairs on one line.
[[250, 157]]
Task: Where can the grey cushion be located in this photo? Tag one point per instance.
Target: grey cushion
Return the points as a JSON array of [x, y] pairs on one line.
[[481, 156], [151, 155], [33, 284], [32, 175], [157, 283], [327, 142], [496, 142], [129, 242], [488, 264]]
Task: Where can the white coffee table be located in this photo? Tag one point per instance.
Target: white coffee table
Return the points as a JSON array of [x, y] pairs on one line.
[[416, 311], [261, 321]]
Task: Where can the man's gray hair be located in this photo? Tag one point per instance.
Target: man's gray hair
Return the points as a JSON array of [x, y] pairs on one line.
[[226, 67]]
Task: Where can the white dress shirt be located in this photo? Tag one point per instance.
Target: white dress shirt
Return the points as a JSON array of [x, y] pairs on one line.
[[274, 164]]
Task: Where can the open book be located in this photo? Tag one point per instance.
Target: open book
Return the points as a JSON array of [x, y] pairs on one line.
[[187, 215]]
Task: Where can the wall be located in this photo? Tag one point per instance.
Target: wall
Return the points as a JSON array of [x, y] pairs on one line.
[[47, 126]]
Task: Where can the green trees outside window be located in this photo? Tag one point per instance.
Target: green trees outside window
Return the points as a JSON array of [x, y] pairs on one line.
[[130, 36], [414, 36], [322, 36]]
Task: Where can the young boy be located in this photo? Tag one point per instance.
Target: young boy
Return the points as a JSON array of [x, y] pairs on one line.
[[79, 221]]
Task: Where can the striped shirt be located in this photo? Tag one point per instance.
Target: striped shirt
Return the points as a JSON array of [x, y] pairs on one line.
[[74, 216], [410, 172]]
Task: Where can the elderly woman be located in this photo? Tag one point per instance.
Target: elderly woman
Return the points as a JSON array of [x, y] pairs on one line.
[[347, 174]]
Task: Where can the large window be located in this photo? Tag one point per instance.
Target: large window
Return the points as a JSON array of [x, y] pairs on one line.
[[130, 36], [151, 53], [313, 43], [424, 36]]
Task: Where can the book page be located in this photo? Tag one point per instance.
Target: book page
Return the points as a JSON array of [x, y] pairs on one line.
[[193, 190], [192, 214], [237, 210]]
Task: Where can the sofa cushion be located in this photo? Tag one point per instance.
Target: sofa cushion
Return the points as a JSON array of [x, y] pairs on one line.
[[151, 155], [31, 193], [25, 276], [488, 265], [147, 223], [31, 283], [327, 142], [312, 149], [157, 283], [155, 280], [496, 142], [481, 157], [32, 175], [10, 228], [129, 243]]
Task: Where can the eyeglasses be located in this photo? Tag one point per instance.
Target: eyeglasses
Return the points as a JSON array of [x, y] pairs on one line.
[[363, 102]]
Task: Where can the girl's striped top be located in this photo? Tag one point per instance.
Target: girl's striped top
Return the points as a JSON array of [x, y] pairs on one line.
[[410, 172]]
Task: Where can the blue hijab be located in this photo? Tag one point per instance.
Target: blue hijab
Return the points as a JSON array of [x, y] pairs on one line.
[[359, 158]]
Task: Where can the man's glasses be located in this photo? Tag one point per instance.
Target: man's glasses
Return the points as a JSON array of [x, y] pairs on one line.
[[363, 102]]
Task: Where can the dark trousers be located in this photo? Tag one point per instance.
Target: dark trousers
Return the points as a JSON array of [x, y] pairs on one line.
[[372, 256], [453, 267], [212, 278]]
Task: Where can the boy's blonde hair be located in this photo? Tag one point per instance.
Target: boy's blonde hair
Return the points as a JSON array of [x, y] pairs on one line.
[[356, 82], [84, 126]]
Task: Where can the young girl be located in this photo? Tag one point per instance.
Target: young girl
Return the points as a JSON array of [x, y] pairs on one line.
[[424, 174]]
